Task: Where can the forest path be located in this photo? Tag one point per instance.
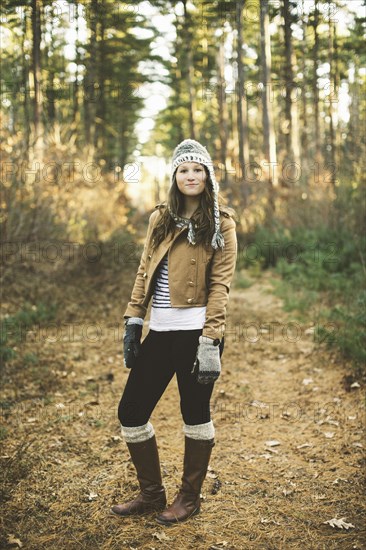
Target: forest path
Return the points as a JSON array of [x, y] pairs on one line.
[[288, 457]]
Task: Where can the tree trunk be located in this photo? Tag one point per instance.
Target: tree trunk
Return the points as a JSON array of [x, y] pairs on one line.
[[25, 85], [90, 84], [292, 134], [353, 130], [75, 108], [187, 26], [38, 100], [241, 103], [101, 105], [179, 71], [333, 94], [315, 83], [304, 134], [223, 114], [268, 129]]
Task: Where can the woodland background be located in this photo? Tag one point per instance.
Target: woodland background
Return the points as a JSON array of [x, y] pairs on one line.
[[95, 96]]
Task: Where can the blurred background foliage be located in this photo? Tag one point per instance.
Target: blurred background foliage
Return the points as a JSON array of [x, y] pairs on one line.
[[273, 89]]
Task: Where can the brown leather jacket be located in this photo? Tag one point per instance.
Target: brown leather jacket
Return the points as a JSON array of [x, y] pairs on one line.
[[198, 275]]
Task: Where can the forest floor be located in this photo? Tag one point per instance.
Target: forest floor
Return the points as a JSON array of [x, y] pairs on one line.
[[289, 455]]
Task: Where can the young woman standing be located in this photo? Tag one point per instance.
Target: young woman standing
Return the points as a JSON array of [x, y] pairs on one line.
[[186, 268]]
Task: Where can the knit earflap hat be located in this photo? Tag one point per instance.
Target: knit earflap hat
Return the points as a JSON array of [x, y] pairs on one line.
[[191, 150]]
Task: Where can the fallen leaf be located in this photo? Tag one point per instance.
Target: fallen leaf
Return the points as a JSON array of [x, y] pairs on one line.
[[340, 523], [328, 421], [329, 435], [161, 536], [304, 445], [266, 455], [272, 443], [13, 540], [259, 404], [307, 381], [355, 385], [92, 496], [264, 520], [216, 487], [340, 479]]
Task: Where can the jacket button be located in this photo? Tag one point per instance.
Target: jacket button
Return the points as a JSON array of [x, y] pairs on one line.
[[193, 261], [191, 283], [149, 256], [190, 300], [145, 275]]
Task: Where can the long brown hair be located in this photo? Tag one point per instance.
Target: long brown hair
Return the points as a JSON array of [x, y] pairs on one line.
[[203, 218]]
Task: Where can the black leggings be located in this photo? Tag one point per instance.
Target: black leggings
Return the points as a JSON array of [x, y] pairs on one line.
[[162, 354]]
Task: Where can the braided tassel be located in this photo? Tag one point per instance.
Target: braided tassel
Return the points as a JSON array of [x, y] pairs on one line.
[[218, 238], [191, 234]]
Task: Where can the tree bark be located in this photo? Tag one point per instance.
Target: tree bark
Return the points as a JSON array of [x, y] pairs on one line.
[[75, 109], [38, 100], [333, 94], [304, 134], [292, 134], [315, 83], [242, 109], [268, 129], [187, 25], [223, 112], [25, 85], [90, 84], [101, 105]]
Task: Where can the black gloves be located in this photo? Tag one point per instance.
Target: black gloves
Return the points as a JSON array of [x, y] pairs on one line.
[[132, 341]]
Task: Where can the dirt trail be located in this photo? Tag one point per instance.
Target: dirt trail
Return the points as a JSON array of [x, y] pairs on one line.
[[289, 453]]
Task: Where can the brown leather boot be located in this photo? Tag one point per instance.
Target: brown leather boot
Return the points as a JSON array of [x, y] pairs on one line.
[[187, 502], [145, 458]]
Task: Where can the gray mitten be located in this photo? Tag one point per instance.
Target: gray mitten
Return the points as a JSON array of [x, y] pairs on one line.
[[207, 364], [132, 341]]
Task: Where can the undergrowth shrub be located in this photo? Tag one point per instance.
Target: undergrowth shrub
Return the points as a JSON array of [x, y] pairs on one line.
[[317, 266], [13, 327]]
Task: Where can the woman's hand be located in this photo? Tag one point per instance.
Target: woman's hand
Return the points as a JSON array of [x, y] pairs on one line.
[[132, 341], [207, 364]]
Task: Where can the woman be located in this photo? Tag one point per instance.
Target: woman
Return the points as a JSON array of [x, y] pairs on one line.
[[186, 268]]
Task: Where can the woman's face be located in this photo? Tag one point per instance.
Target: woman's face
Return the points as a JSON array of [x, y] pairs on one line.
[[191, 178]]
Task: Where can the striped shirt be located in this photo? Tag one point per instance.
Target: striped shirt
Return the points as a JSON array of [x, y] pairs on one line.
[[161, 297]]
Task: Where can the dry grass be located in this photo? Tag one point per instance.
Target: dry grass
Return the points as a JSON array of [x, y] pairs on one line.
[[64, 463]]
